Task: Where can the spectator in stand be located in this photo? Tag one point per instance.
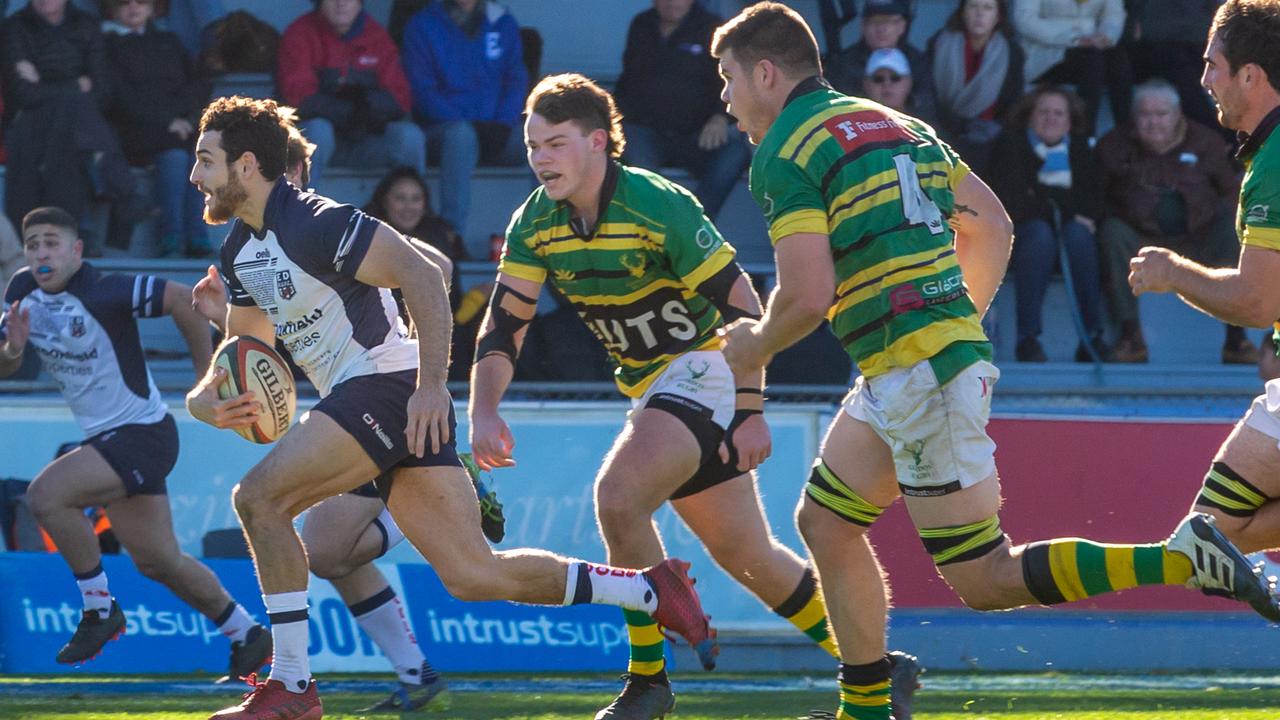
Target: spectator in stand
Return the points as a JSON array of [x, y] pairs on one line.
[[466, 69], [884, 25], [403, 201], [61, 150], [1048, 182], [976, 65], [154, 100], [188, 19], [339, 68], [1074, 42], [1166, 39], [11, 257], [669, 96], [889, 82], [1168, 182]]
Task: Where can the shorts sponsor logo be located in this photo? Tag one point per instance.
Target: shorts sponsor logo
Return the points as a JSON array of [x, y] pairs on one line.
[[920, 468], [377, 430]]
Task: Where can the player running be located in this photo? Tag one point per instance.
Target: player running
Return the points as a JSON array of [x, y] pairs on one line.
[[873, 218], [317, 274], [1242, 73], [652, 278], [83, 326]]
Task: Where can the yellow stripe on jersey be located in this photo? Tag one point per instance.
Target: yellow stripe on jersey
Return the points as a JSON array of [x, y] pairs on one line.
[[923, 343], [807, 220], [565, 241], [647, 290], [873, 289], [522, 271], [803, 131], [1262, 237], [714, 263], [879, 270]]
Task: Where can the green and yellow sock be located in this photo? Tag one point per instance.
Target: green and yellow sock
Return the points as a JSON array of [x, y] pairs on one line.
[[864, 691], [1068, 569], [806, 610], [647, 644]]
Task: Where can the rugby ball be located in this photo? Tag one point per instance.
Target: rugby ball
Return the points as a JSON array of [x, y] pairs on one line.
[[254, 366]]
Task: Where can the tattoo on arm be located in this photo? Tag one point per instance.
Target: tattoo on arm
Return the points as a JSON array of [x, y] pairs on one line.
[[966, 209]]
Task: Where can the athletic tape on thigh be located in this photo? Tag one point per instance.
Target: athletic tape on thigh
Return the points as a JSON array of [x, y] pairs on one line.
[[957, 543], [1225, 490], [830, 492]]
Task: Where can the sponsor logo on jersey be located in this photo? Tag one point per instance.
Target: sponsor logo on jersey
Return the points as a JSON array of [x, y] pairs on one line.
[[77, 326], [1257, 214], [290, 327], [866, 126], [284, 285]]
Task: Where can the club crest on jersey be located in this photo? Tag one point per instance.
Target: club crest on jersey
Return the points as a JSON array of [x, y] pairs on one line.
[[635, 264], [77, 326], [1257, 214], [284, 285]]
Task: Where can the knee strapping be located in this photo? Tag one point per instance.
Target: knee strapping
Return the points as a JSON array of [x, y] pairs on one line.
[[1227, 491], [958, 543], [830, 492]]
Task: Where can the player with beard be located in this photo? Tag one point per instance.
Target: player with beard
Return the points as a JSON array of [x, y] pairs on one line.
[[84, 327], [1242, 74], [317, 274]]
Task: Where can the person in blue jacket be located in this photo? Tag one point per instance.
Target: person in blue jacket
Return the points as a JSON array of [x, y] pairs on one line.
[[467, 77]]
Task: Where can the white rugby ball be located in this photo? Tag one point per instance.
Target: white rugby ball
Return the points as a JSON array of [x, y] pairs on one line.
[[254, 366]]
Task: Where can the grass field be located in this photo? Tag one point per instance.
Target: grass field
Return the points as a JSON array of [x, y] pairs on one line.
[[947, 696]]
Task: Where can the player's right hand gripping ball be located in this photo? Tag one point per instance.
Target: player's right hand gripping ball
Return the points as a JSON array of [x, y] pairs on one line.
[[254, 366]]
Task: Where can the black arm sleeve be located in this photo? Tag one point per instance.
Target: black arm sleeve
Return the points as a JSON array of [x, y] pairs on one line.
[[717, 289], [501, 338]]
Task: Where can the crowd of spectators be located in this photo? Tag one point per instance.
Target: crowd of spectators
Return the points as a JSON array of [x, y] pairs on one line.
[[1017, 86]]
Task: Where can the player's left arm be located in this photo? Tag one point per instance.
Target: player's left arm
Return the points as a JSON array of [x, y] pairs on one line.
[[984, 239], [192, 325], [1246, 295], [391, 262]]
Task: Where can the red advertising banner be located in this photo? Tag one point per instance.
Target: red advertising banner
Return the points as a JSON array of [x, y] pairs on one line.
[[1108, 481]]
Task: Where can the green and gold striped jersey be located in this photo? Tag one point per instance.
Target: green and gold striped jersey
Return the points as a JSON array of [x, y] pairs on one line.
[[634, 280], [881, 186], [1258, 216]]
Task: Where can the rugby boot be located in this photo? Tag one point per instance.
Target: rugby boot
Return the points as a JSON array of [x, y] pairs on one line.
[[680, 611], [1219, 568], [412, 696], [271, 700], [904, 674], [492, 522], [643, 697], [91, 634], [250, 656]]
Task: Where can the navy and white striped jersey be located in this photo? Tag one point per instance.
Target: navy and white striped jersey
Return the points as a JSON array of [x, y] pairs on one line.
[[87, 340], [301, 270]]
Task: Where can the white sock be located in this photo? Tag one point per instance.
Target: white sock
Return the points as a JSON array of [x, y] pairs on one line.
[[94, 591], [287, 613], [605, 585], [235, 622], [382, 617], [390, 530]]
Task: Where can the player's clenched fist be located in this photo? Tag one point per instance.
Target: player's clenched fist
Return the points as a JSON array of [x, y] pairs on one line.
[[491, 441], [1152, 270], [742, 347]]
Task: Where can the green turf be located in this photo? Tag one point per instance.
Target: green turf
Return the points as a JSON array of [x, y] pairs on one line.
[[1214, 704]]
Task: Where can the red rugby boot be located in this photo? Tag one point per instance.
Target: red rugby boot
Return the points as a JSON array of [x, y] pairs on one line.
[[680, 611], [271, 700]]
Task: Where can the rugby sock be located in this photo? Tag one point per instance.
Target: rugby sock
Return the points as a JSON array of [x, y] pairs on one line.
[[604, 585], [391, 534], [234, 622], [382, 617], [864, 691], [94, 591], [287, 613], [806, 610], [647, 644], [1067, 569]]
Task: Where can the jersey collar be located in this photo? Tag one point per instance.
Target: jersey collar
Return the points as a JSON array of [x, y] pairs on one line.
[[275, 201], [607, 190], [1250, 142], [810, 84]]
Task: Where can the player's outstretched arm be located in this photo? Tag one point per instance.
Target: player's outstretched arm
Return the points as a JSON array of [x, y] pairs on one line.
[[984, 239], [806, 287], [511, 308], [392, 262], [192, 325], [17, 328], [203, 402], [1245, 295]]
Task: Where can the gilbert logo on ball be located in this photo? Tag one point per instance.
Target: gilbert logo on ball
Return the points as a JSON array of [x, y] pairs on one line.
[[254, 366]]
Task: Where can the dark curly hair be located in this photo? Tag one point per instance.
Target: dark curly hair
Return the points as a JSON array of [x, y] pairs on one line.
[[250, 126]]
